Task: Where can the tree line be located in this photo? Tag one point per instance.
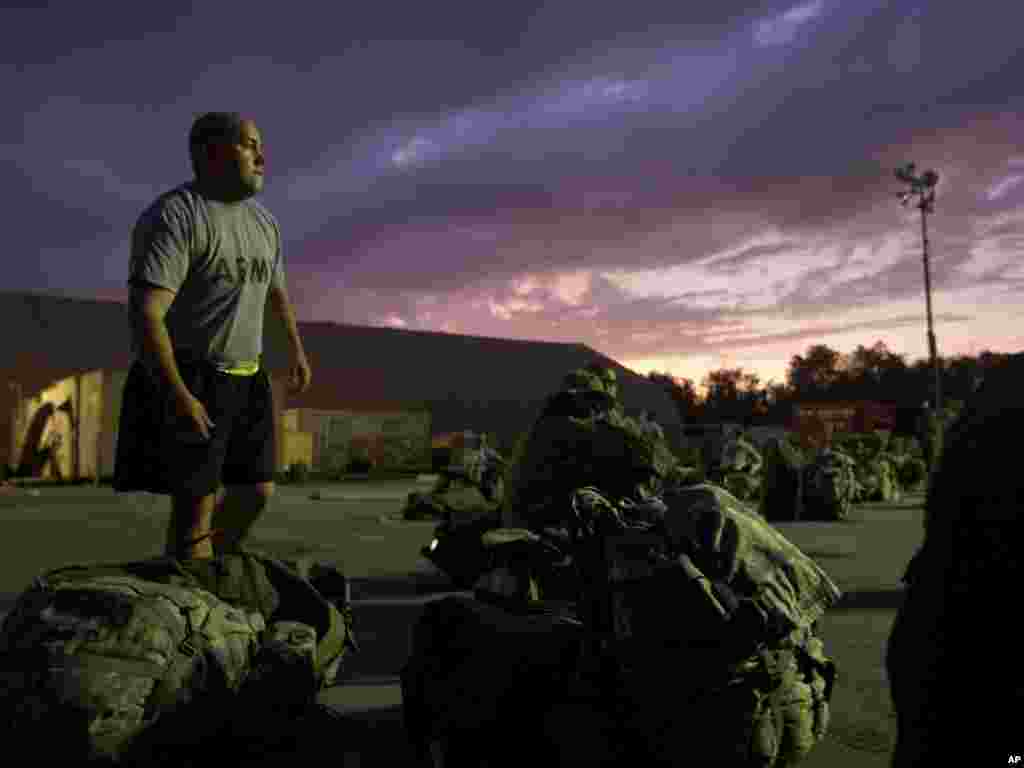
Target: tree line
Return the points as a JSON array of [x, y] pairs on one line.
[[823, 374]]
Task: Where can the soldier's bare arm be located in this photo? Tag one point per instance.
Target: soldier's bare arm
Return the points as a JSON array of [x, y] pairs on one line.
[[149, 305]]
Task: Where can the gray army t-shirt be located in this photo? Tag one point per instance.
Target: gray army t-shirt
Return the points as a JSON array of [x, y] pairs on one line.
[[220, 259]]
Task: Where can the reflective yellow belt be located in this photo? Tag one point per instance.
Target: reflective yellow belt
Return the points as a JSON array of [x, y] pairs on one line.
[[242, 369]]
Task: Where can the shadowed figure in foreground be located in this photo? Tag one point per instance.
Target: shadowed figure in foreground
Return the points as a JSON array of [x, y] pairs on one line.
[[951, 657]]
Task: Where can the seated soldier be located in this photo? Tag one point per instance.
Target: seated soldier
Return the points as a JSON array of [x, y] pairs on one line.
[[957, 608]]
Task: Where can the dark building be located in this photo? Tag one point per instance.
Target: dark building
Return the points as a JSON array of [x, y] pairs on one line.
[[466, 382]]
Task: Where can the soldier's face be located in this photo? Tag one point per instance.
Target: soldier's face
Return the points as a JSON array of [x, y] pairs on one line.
[[238, 165]]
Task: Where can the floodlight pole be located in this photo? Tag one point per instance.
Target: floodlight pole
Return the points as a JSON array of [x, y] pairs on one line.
[[923, 187], [928, 304]]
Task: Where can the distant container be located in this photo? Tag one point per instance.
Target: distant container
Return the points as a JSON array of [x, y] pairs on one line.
[[393, 439], [860, 416]]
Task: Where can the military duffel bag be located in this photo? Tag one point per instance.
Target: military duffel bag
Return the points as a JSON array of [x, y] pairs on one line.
[[131, 663], [476, 669], [108, 663]]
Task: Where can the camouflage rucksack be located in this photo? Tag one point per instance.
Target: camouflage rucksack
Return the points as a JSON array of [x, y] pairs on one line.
[[830, 485], [100, 662], [304, 603], [582, 438], [130, 663], [300, 655]]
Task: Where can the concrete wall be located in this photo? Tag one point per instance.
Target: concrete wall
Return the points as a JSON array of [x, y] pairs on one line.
[[309, 420], [394, 439]]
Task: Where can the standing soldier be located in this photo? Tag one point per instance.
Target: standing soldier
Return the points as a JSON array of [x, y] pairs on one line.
[[197, 409]]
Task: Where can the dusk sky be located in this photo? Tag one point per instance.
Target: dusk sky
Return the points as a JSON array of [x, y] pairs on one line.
[[680, 185]]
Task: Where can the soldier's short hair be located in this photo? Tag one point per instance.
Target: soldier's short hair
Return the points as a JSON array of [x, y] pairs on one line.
[[211, 128]]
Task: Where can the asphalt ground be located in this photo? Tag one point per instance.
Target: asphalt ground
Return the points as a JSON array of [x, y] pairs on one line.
[[358, 525]]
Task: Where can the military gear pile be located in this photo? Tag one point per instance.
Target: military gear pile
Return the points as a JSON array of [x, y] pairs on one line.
[[107, 662], [583, 438], [451, 499], [732, 544], [680, 475], [830, 485], [734, 463], [729, 625], [456, 550], [740, 455], [629, 600], [132, 663], [473, 486], [707, 612], [475, 668], [885, 468], [877, 479], [911, 472]]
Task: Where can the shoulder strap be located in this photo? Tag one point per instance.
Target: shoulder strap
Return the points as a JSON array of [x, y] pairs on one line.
[[300, 601], [266, 608]]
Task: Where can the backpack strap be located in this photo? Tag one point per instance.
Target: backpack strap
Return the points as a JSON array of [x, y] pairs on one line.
[[301, 601], [262, 597], [165, 692], [182, 548], [235, 578]]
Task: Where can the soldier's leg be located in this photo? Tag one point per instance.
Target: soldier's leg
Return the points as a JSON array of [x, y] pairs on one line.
[[250, 462], [239, 507], [193, 465], [189, 535], [151, 456]]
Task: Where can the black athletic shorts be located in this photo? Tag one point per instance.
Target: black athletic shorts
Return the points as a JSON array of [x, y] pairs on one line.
[[156, 452]]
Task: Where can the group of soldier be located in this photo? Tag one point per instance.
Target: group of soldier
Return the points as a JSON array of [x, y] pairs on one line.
[[716, 644], [955, 607], [714, 636]]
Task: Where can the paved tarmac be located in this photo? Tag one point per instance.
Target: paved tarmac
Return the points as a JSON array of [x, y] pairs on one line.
[[360, 527]]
